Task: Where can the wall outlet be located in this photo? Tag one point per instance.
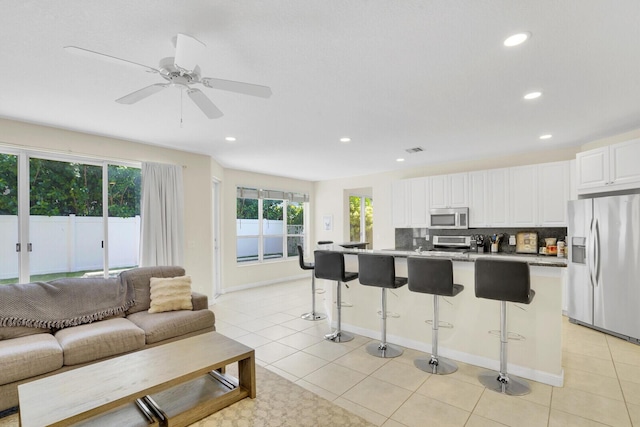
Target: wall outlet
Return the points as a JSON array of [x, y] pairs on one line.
[[512, 240]]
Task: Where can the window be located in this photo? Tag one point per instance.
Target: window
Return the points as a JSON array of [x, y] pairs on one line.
[[269, 224], [361, 219]]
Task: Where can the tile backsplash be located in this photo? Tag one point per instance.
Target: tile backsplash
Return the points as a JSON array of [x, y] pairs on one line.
[[412, 238]]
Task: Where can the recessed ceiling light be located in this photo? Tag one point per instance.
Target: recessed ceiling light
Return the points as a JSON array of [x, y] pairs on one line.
[[547, 136], [517, 39], [230, 139], [400, 160], [533, 95], [345, 140]]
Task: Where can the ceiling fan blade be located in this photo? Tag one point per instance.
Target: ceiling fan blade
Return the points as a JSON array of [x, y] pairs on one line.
[[141, 94], [92, 54], [188, 52], [238, 87], [204, 103]]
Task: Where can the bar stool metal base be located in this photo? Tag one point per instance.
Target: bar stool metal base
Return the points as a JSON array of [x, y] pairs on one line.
[[313, 316], [385, 351], [438, 366], [338, 336], [505, 384]]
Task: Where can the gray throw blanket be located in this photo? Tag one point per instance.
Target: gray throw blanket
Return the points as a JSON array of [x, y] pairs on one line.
[[63, 302]]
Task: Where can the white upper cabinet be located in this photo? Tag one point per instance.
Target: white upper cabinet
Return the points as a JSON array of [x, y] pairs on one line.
[[498, 197], [419, 195], [410, 200], [612, 168], [554, 192], [593, 168], [523, 195], [624, 163], [449, 191], [539, 194], [478, 199], [400, 204]]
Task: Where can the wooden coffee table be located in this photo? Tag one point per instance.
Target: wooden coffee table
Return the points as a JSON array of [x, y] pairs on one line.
[[166, 373]]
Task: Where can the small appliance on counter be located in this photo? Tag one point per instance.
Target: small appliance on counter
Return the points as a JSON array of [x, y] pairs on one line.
[[527, 242], [451, 246]]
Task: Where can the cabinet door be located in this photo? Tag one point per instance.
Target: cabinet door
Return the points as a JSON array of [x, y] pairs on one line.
[[399, 200], [593, 168], [478, 199], [438, 194], [459, 190], [419, 201], [498, 197], [553, 194], [523, 192], [624, 162]]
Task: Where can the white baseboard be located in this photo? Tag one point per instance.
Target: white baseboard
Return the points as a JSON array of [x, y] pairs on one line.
[[264, 283], [520, 371]]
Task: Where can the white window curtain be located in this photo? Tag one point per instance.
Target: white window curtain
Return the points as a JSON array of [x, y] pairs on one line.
[[162, 215]]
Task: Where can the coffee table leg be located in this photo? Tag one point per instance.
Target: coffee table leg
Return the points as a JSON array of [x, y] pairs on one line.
[[247, 375]]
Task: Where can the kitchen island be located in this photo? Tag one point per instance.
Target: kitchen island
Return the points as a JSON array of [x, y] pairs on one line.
[[536, 353]]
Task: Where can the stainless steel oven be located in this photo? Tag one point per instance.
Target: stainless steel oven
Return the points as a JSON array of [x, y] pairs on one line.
[[449, 218]]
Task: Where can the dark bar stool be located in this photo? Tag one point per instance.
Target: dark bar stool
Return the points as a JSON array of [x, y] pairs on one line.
[[313, 314], [379, 270], [503, 281], [433, 276], [329, 265]]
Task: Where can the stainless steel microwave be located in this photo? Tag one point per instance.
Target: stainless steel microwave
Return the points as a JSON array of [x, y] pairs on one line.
[[449, 218]]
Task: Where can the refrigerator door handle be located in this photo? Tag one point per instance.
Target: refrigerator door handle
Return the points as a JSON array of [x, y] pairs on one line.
[[588, 250], [596, 250]]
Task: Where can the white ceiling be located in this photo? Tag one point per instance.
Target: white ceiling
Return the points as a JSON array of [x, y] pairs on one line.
[[389, 74]]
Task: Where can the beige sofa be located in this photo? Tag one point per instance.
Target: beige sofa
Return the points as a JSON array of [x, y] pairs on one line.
[[29, 353]]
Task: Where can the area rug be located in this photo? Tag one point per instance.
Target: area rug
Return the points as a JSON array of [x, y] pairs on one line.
[[279, 402]]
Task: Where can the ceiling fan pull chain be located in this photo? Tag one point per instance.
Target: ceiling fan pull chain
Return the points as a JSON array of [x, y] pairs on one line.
[[181, 105]]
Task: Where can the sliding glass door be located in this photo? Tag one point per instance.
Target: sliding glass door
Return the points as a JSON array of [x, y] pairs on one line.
[[9, 260], [64, 217]]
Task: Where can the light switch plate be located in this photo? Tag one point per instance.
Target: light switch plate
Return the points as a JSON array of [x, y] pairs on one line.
[[512, 240]]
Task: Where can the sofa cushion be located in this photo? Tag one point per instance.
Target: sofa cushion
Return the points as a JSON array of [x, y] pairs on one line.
[[26, 357], [139, 279], [170, 294], [9, 332], [86, 343], [161, 326]]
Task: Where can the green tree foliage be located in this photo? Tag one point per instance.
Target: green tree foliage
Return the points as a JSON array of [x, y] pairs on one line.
[[247, 208], [354, 218], [8, 184], [62, 188]]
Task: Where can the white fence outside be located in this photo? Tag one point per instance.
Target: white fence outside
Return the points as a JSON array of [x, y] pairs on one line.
[[63, 244], [272, 230]]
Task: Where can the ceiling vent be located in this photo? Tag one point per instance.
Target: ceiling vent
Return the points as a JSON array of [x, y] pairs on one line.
[[414, 150]]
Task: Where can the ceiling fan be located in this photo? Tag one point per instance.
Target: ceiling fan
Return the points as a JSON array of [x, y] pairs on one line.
[[181, 71]]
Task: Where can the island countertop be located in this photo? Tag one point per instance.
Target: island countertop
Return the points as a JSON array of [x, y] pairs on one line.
[[533, 260]]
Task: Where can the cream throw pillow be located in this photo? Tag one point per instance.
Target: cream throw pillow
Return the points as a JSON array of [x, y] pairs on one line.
[[170, 293]]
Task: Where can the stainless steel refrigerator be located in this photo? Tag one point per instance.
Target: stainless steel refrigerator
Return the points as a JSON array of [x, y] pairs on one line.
[[604, 264]]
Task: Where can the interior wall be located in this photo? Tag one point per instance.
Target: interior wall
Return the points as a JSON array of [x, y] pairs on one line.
[[236, 276], [197, 174]]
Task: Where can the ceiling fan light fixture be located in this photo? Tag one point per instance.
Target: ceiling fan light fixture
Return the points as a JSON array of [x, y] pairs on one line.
[[517, 39]]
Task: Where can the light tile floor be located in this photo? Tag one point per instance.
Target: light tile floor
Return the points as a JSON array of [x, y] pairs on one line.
[[602, 373]]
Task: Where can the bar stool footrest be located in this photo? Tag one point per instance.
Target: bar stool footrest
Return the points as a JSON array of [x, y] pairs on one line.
[[513, 336]]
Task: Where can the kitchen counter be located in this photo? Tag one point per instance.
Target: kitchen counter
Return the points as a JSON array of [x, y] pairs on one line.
[[538, 357], [533, 260]]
